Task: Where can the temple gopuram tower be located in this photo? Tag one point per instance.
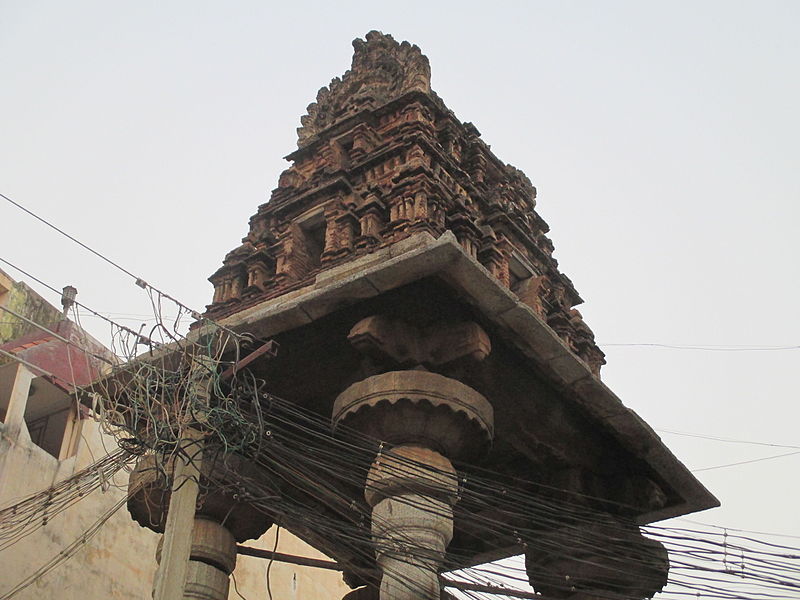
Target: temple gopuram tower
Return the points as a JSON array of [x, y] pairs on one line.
[[412, 288]]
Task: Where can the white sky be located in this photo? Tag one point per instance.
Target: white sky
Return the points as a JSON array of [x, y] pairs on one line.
[[663, 138]]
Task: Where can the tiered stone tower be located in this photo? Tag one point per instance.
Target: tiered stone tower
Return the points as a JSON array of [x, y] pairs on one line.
[[412, 288], [380, 158]]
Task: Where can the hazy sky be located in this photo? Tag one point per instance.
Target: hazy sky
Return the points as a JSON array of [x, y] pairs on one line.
[[663, 138]]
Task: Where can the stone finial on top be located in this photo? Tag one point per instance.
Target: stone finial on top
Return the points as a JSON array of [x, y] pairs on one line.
[[382, 69]]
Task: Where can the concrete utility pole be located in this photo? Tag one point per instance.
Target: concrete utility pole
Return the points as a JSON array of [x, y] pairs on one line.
[[197, 552], [177, 541], [173, 567]]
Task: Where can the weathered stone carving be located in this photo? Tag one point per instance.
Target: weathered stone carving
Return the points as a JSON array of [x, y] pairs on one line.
[[412, 491], [610, 559], [149, 495], [381, 157], [418, 407], [382, 70], [212, 559], [398, 342]]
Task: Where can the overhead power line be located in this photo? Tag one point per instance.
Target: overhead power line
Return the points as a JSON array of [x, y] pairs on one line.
[[306, 447], [746, 462], [704, 347], [138, 280], [143, 338], [664, 430], [751, 531], [68, 236], [722, 439]]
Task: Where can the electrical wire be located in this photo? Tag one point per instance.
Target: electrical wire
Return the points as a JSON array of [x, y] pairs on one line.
[[304, 472], [723, 439], [66, 553], [37, 510], [705, 348], [746, 462], [271, 561], [138, 280]]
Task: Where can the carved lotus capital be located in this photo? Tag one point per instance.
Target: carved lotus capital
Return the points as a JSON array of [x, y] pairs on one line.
[[419, 408]]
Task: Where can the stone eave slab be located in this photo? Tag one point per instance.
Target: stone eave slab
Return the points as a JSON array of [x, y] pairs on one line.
[[422, 255]]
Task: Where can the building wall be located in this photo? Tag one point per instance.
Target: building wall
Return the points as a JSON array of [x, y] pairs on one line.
[[18, 297], [287, 581], [119, 562]]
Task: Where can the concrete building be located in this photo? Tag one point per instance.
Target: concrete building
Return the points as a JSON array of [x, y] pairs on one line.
[[20, 298]]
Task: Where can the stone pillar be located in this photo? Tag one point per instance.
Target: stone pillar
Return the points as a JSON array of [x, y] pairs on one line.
[[221, 519], [212, 559], [411, 490], [425, 419], [609, 558]]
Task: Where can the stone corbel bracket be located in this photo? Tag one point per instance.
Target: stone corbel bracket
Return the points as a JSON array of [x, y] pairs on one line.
[[392, 340]]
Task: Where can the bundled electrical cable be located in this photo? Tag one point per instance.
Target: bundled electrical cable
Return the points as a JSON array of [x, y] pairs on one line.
[[37, 510], [300, 454], [312, 482]]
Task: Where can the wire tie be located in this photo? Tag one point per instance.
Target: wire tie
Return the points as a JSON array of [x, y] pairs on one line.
[[104, 485], [725, 549], [141, 283], [519, 539]]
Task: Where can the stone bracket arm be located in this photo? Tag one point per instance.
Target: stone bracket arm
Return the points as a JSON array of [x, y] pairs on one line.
[[392, 340]]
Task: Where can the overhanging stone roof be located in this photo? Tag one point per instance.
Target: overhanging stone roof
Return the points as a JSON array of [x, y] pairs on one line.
[[422, 256]]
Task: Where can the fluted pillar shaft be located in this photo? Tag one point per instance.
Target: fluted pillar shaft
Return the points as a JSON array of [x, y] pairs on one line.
[[424, 419], [412, 491]]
